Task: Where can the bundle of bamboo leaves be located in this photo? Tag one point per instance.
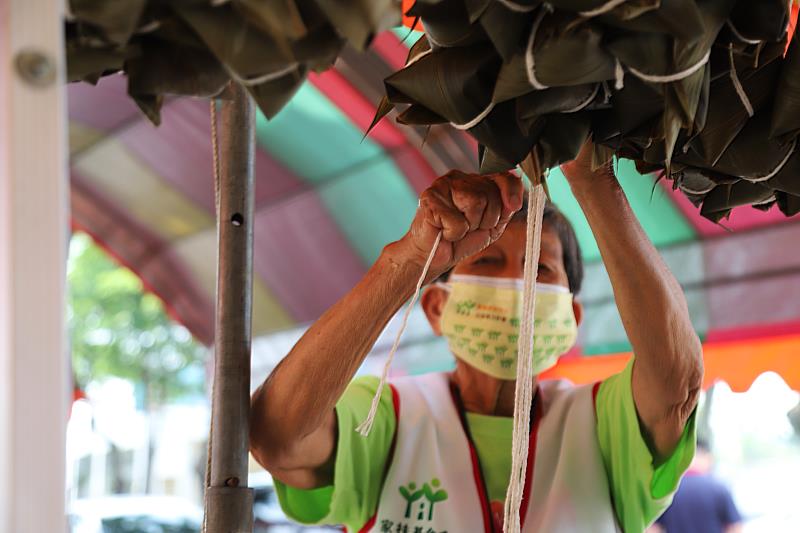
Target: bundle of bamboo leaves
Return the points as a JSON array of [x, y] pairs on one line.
[[708, 90], [194, 47]]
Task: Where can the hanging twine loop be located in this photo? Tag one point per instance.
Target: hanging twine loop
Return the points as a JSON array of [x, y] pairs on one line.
[[523, 394], [215, 149], [365, 426]]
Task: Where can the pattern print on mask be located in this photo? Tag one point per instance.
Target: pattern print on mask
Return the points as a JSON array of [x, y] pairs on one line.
[[481, 323]]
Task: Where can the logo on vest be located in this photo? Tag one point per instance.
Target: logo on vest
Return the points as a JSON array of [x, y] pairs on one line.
[[417, 508]]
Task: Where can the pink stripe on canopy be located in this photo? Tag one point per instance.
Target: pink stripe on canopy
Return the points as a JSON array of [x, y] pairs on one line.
[[105, 106], [180, 152], [392, 49], [360, 111], [303, 256], [754, 277], [293, 266]]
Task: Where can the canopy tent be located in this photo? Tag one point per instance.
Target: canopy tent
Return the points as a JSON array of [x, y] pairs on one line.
[[328, 201]]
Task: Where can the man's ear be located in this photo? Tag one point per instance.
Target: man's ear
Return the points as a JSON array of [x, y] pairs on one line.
[[577, 308], [433, 301]]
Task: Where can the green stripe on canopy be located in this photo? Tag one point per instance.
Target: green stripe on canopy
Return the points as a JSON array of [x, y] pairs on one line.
[[407, 36], [373, 206], [658, 215], [364, 191]]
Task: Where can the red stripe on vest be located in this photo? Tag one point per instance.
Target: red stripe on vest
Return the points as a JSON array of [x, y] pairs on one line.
[[476, 466], [526, 492]]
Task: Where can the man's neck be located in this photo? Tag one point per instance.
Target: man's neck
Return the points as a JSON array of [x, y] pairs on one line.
[[482, 393]]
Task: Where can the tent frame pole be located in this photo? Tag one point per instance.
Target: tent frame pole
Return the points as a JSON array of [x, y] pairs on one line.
[[229, 502], [34, 235]]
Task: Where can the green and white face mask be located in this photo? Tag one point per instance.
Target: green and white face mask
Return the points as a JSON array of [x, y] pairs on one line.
[[481, 323]]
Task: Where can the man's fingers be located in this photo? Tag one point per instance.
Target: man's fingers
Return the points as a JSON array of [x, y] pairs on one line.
[[494, 206], [440, 214], [511, 192], [470, 197], [461, 203]]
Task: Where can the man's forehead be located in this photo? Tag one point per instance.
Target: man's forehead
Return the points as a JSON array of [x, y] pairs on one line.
[[515, 235]]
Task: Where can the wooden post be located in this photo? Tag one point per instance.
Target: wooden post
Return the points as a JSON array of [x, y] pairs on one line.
[[229, 503], [33, 244]]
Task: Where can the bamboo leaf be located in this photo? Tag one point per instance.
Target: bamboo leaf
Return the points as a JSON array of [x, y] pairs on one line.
[[383, 109], [116, 20], [786, 109], [360, 20]]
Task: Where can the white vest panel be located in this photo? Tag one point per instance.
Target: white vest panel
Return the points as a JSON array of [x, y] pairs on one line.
[[433, 484]]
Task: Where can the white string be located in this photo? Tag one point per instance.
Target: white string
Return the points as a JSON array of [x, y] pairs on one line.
[[619, 75], [418, 57], [605, 8], [529, 59], [523, 395], [767, 201], [689, 190], [365, 426], [778, 168], [738, 35], [519, 8], [258, 80], [655, 78], [148, 28], [738, 85], [585, 102], [215, 149], [474, 122]]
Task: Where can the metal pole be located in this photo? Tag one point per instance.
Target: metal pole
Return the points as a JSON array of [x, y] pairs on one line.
[[229, 503]]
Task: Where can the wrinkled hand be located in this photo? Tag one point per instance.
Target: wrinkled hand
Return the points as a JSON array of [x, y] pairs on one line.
[[579, 172], [472, 212]]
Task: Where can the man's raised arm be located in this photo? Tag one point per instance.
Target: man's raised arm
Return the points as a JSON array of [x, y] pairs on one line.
[[292, 421], [668, 369]]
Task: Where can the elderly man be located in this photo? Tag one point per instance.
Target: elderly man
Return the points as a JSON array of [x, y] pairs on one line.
[[602, 458]]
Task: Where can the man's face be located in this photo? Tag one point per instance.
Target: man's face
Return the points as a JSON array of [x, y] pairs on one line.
[[505, 258]]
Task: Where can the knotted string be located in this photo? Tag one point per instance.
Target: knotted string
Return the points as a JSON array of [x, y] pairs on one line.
[[518, 8], [264, 78], [619, 71], [601, 10], [523, 394], [365, 426], [738, 84], [215, 149]]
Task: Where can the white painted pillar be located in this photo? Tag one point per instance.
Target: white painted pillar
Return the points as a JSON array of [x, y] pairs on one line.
[[33, 243]]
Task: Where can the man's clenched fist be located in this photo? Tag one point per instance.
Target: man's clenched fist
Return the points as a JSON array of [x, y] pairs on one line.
[[470, 210]]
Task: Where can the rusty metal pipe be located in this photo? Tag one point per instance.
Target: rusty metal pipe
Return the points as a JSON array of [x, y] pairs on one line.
[[228, 500]]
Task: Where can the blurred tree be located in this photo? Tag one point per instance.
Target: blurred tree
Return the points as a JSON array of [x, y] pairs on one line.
[[118, 329]]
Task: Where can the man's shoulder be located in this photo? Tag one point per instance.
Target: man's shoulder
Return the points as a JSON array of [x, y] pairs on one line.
[[562, 390]]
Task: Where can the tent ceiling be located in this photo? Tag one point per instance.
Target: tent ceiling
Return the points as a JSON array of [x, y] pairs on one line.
[[328, 201]]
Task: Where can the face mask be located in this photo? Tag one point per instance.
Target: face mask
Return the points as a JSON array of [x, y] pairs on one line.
[[481, 323]]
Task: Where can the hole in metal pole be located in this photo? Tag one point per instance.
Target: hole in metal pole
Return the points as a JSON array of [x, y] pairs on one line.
[[237, 219]]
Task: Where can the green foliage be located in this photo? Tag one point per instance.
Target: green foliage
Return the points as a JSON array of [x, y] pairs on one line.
[[118, 329]]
